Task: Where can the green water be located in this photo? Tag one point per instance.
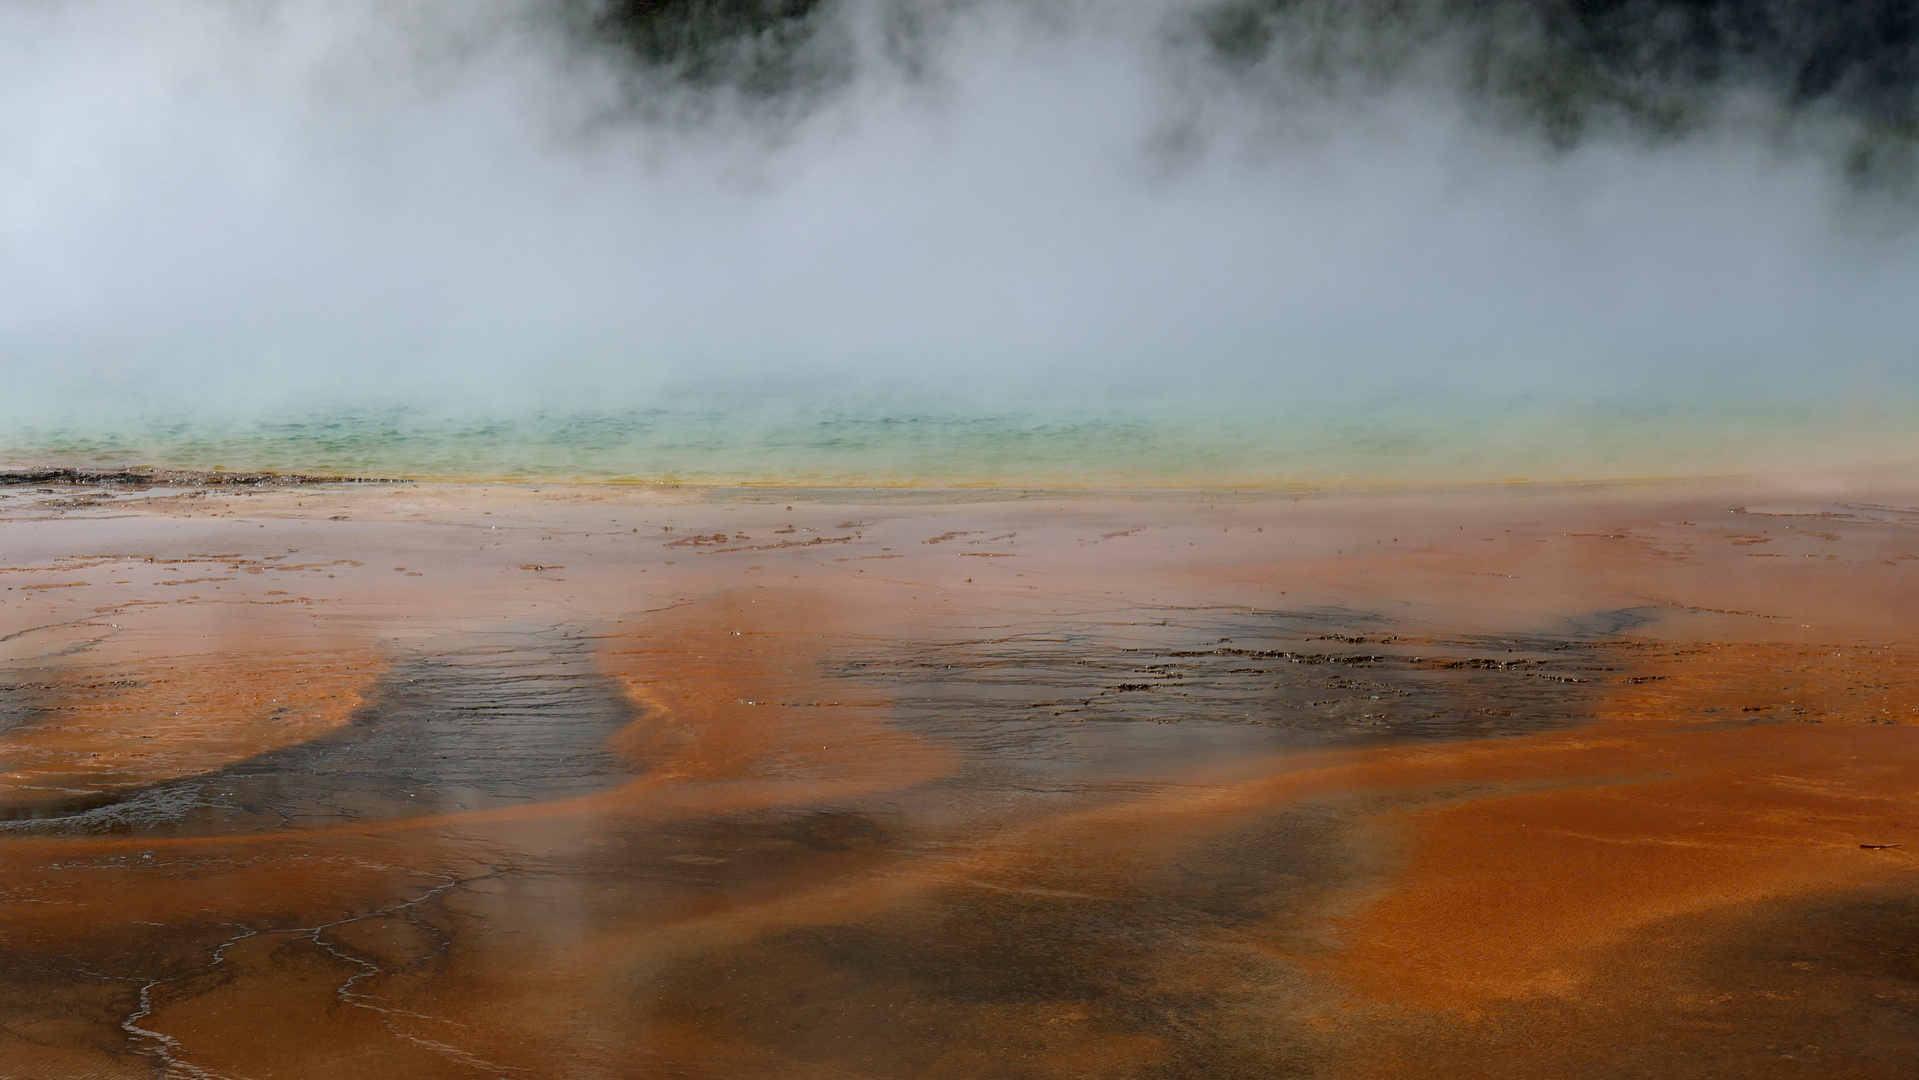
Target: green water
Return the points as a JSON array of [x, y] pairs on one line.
[[767, 444]]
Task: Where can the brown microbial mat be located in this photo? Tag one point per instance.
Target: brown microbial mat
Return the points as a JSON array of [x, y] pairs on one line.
[[438, 781]]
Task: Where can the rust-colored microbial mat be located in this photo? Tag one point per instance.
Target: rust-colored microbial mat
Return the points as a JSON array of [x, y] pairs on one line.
[[474, 781]]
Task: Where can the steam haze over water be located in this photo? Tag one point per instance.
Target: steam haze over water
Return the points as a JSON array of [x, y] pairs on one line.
[[1228, 241]]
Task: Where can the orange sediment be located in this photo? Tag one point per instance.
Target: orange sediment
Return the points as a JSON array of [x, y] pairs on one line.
[[1536, 856], [794, 867]]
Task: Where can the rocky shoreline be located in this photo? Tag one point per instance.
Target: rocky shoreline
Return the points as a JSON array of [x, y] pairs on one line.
[[143, 477]]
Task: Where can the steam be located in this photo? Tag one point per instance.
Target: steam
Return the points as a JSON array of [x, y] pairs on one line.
[[221, 211]]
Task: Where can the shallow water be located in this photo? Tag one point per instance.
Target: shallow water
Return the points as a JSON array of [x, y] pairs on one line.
[[484, 781], [1217, 440]]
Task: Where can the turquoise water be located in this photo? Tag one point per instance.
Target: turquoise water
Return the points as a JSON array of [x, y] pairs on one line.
[[769, 444]]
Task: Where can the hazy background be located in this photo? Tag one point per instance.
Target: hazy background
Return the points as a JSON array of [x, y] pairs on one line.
[[1234, 241]]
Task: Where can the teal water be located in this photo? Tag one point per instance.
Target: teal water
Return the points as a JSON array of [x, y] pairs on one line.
[[770, 444]]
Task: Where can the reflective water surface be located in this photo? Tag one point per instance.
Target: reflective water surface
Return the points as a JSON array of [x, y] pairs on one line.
[[451, 781]]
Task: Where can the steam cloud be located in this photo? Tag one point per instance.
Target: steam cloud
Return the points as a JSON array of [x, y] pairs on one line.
[[1307, 207]]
